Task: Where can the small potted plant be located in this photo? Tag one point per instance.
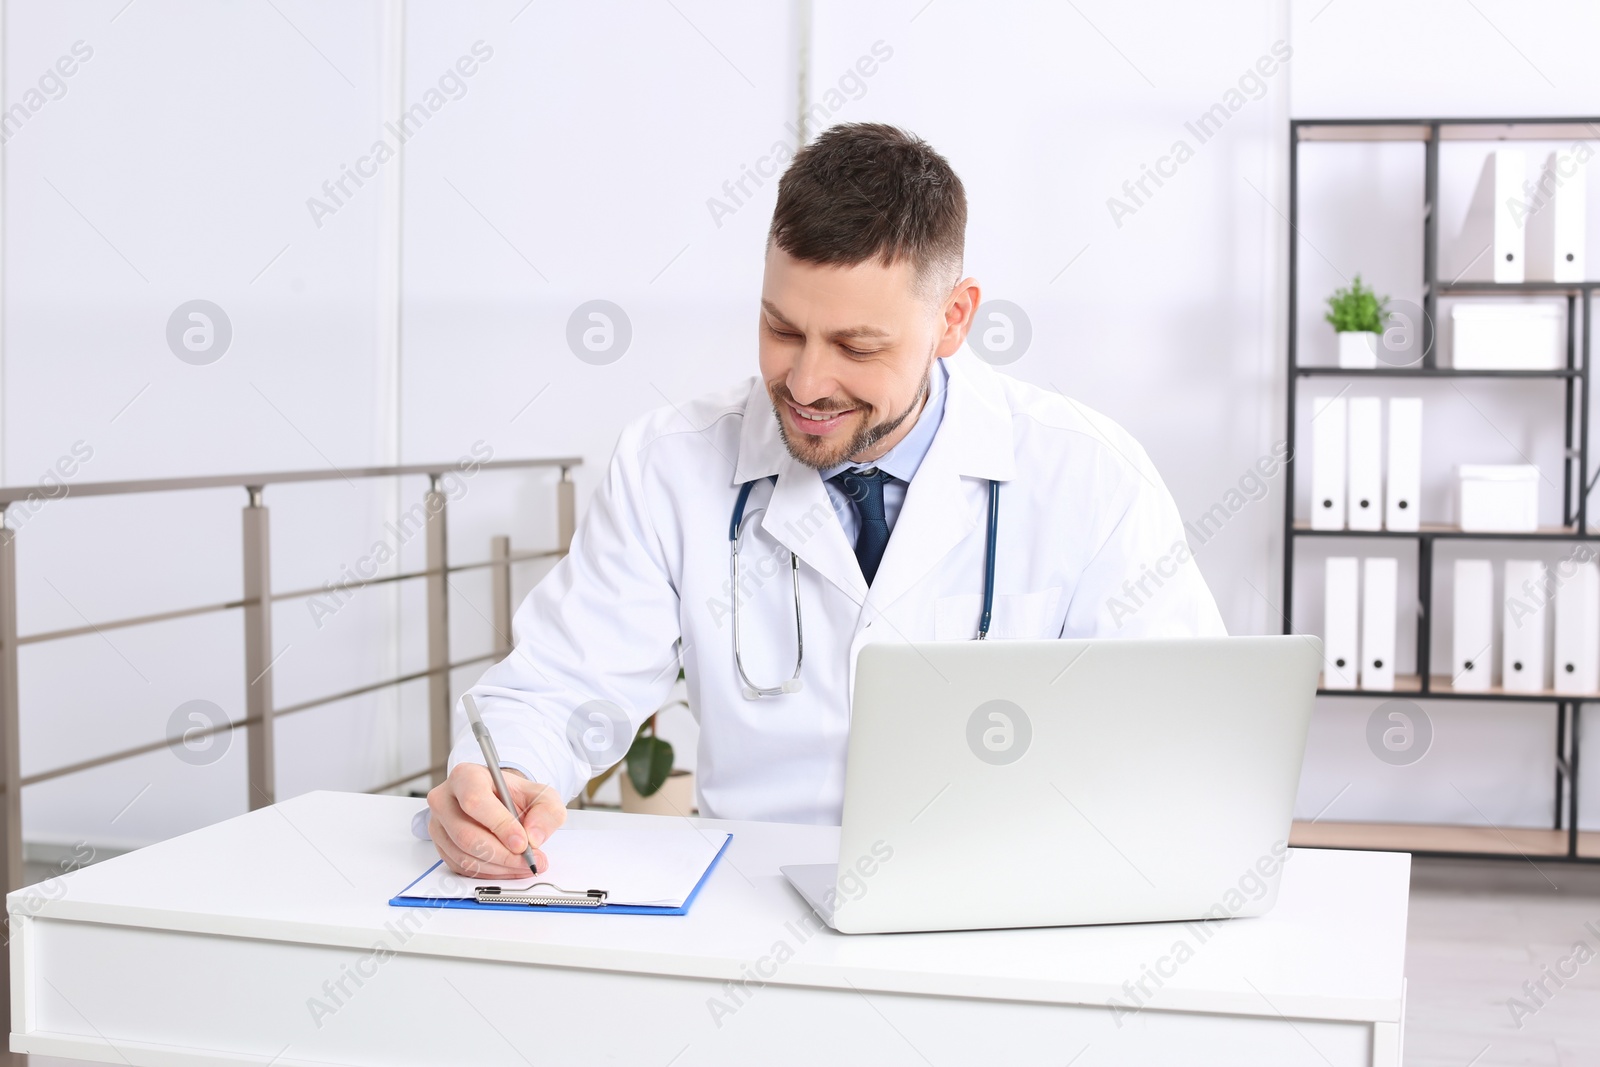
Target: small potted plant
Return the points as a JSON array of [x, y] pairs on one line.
[[1357, 314], [651, 786]]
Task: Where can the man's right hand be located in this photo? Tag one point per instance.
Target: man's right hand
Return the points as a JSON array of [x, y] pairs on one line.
[[474, 833]]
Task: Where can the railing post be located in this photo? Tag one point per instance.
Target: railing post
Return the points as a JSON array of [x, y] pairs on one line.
[[566, 510], [10, 756], [258, 651], [438, 631], [10, 749], [500, 588]]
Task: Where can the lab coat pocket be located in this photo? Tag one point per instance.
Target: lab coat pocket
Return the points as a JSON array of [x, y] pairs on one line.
[[1016, 616]]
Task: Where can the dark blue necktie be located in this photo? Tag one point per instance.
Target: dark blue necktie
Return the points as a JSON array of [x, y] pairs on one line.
[[865, 489]]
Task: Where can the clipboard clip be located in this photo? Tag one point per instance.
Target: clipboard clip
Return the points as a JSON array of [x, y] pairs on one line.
[[533, 898]]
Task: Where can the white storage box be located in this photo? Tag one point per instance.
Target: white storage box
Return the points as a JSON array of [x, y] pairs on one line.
[[1509, 336], [1498, 498]]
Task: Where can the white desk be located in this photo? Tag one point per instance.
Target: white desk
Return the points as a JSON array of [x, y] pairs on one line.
[[209, 949]]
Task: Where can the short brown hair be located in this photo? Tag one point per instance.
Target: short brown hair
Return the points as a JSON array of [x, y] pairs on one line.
[[865, 190]]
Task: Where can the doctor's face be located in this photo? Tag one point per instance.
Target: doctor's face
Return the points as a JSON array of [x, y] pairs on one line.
[[846, 353]]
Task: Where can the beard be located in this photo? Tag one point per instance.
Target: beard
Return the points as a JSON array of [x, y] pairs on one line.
[[820, 454]]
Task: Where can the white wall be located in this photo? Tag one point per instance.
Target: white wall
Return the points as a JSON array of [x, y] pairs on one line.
[[176, 167], [575, 163]]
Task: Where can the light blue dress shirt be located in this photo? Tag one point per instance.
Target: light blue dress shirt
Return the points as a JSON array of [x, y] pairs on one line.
[[900, 463]]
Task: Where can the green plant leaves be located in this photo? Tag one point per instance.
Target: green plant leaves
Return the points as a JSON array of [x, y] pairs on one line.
[[649, 763], [1357, 308]]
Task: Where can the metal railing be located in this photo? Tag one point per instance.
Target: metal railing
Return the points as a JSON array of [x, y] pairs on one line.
[[255, 602]]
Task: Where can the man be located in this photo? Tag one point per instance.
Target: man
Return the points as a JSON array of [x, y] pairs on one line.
[[870, 452]]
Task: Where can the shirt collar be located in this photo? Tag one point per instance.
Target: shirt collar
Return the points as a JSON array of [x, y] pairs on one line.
[[901, 461]]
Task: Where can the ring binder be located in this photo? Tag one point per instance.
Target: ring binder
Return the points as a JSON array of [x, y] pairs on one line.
[[588, 898]]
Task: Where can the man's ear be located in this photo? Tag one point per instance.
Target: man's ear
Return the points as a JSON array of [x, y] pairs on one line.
[[959, 310]]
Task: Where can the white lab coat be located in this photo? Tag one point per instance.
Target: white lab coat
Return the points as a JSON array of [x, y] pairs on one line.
[[1090, 544]]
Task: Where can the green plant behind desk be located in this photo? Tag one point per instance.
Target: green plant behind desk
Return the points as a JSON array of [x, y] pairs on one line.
[[648, 763], [649, 759]]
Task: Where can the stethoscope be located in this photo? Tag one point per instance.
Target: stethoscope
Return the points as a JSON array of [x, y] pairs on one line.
[[793, 684]]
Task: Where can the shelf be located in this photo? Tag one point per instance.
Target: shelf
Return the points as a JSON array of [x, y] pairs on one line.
[[1436, 531], [1516, 288], [1410, 685], [1439, 686], [1430, 372], [1427, 837], [1405, 685], [1575, 128], [1358, 130]]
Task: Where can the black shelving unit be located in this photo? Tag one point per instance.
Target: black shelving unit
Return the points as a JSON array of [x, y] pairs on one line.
[[1577, 482]]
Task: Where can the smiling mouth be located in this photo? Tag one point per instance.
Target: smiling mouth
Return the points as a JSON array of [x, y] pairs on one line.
[[820, 423]]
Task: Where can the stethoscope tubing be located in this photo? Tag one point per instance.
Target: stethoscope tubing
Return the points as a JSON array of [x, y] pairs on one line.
[[988, 560]]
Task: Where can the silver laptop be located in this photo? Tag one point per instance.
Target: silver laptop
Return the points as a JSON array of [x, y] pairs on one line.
[[1050, 783]]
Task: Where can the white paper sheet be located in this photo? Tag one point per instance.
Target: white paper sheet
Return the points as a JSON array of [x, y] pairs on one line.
[[654, 866]]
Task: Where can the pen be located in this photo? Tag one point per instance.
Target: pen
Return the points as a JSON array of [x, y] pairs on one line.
[[492, 758]]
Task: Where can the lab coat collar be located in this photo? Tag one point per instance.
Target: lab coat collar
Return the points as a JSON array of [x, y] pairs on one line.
[[949, 497], [975, 438], [761, 450]]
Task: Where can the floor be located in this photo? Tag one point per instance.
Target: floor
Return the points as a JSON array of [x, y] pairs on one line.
[[1478, 931]]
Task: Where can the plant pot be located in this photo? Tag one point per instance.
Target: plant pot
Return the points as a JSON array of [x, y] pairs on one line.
[[675, 797], [1358, 349]]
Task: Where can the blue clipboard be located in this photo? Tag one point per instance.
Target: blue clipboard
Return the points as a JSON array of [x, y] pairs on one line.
[[400, 900]]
